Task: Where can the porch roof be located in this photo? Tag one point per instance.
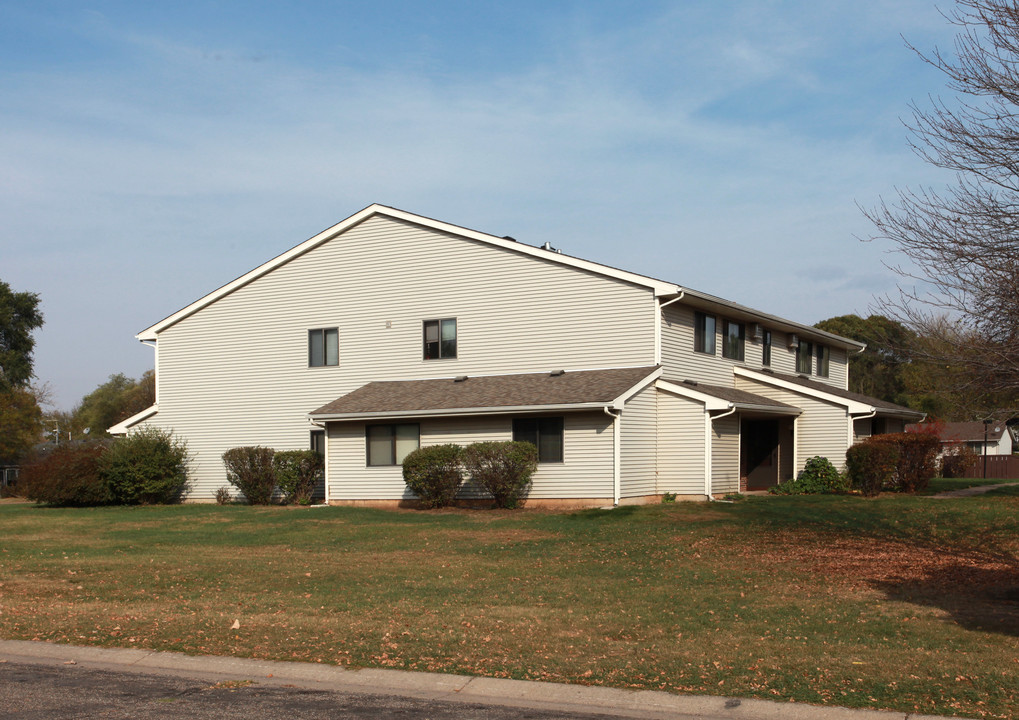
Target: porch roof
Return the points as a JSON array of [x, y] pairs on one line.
[[857, 402], [740, 399], [486, 394]]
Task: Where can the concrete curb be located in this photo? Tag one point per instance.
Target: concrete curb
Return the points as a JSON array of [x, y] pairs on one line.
[[434, 686]]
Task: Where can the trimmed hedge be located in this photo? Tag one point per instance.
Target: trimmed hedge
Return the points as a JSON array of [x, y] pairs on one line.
[[297, 471], [504, 469], [250, 470], [434, 474], [871, 466], [67, 475], [146, 467]]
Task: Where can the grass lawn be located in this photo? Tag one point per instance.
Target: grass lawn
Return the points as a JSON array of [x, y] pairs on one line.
[[909, 604], [938, 485]]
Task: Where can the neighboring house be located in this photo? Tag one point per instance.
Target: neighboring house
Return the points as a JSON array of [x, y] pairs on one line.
[[971, 434], [391, 331]]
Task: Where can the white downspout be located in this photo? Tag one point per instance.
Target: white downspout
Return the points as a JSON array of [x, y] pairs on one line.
[[616, 477], [708, 419], [325, 456], [658, 324]]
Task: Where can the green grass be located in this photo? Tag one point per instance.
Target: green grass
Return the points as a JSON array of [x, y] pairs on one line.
[[896, 603], [938, 485]]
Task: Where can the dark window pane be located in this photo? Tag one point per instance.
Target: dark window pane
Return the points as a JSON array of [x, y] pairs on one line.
[[550, 440], [804, 356], [766, 349], [431, 340], [823, 355], [380, 445], [318, 441], [704, 333], [448, 340], [526, 430], [733, 338], [315, 353]]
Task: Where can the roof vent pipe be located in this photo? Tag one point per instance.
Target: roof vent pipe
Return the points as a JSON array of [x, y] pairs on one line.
[[460, 378]]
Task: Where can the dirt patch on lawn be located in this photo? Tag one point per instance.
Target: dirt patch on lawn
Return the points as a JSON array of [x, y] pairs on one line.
[[979, 590]]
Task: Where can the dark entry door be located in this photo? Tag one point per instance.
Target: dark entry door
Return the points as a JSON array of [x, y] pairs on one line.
[[759, 453]]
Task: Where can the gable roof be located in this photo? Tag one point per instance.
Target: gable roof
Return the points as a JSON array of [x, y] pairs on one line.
[[487, 394], [727, 397], [857, 403], [659, 287], [953, 432]]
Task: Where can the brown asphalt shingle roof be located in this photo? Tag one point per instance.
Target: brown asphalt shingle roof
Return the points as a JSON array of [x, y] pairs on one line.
[[839, 392], [739, 397], [491, 391], [967, 431]]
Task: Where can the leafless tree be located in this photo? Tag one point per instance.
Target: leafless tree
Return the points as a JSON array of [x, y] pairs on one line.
[[961, 284]]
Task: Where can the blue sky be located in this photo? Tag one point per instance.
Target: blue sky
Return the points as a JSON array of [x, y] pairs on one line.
[[153, 152]]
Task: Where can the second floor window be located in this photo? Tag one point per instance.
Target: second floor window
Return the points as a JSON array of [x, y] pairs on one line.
[[766, 348], [733, 340], [323, 347], [804, 357], [704, 333], [823, 356], [440, 339]]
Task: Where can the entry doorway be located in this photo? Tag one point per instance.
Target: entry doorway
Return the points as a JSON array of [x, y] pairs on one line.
[[760, 458], [766, 451]]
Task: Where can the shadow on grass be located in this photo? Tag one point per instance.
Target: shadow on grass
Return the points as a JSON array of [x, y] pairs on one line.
[[984, 599], [956, 556]]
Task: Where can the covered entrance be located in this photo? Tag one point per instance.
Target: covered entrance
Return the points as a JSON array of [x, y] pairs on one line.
[[766, 451]]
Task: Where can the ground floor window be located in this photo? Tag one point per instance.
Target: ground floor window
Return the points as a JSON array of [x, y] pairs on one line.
[[390, 444], [318, 442], [545, 433]]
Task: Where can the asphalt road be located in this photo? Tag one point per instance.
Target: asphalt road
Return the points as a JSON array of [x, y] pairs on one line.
[[36, 692]]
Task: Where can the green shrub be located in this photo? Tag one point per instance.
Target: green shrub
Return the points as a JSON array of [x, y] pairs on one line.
[[434, 474], [297, 471], [958, 462], [818, 477], [871, 466], [249, 469], [917, 460], [66, 475], [504, 469], [146, 467]]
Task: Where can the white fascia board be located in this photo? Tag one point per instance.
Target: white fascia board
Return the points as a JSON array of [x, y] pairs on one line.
[[658, 286], [852, 406], [620, 401], [710, 402], [123, 426], [454, 412]]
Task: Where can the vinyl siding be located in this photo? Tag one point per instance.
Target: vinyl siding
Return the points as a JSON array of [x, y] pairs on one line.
[[682, 362], [680, 445], [821, 429], [725, 450], [236, 372], [586, 470], [639, 445]]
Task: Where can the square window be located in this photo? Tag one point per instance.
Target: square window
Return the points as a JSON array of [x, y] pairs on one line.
[[323, 347], [704, 333], [823, 358], [546, 434], [390, 444], [804, 357], [733, 340], [766, 348], [440, 339]]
